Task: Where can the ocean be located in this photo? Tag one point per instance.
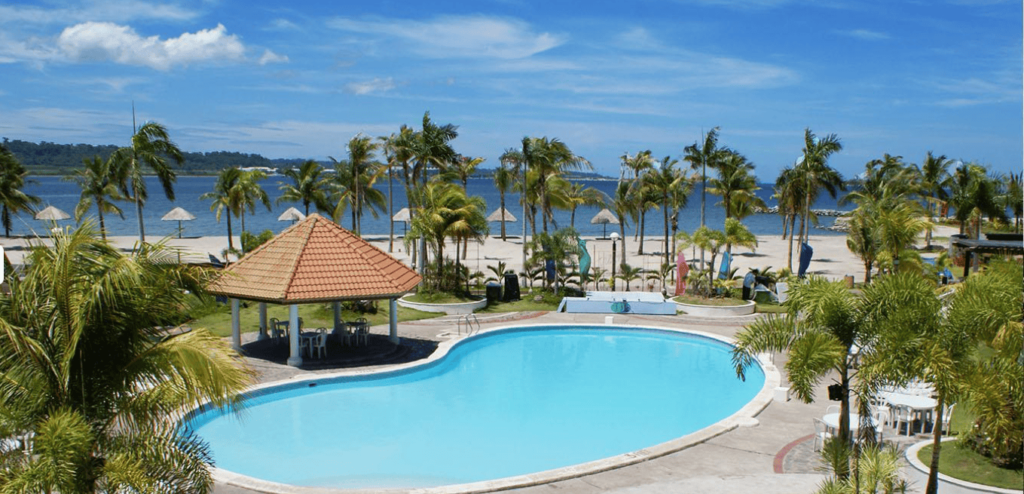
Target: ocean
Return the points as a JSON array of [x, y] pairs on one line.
[[54, 191]]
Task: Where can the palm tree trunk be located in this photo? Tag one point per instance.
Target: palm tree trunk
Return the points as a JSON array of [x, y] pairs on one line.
[[668, 253], [844, 416], [138, 210], [231, 245], [572, 218], [502, 194], [933, 469], [622, 231], [792, 223], [867, 272], [103, 228], [6, 218], [391, 212], [643, 222], [785, 226]]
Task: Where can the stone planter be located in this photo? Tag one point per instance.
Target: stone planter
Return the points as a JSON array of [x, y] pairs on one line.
[[718, 310], [917, 475], [459, 308]]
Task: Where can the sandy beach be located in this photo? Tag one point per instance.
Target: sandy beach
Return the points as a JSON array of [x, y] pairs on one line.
[[832, 258]]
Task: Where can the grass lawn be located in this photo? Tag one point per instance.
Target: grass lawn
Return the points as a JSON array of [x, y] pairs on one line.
[[962, 463], [440, 298], [770, 308], [716, 302], [313, 316], [549, 303]]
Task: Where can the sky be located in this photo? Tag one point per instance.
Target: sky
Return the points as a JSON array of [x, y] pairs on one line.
[[299, 79]]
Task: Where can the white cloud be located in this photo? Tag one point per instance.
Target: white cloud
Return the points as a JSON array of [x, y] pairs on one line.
[[377, 85], [282, 25], [457, 36], [101, 41], [271, 57], [112, 11], [865, 34]]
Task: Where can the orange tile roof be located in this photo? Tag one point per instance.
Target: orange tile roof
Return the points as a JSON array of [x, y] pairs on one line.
[[315, 260]]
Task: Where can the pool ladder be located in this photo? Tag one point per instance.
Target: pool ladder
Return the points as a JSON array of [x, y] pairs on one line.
[[469, 319]]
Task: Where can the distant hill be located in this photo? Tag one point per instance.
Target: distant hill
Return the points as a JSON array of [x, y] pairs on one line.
[[58, 159]]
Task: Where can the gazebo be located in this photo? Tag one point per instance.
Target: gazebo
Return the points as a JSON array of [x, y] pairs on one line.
[[313, 261]]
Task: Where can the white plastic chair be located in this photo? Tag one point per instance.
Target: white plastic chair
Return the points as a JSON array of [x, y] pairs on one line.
[[821, 434], [276, 332], [947, 414], [882, 418], [904, 415], [320, 343], [832, 409]]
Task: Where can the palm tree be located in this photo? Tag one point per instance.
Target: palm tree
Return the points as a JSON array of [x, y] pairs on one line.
[[862, 239], [628, 274], [550, 159], [98, 181], [641, 163], [226, 196], [814, 171], [703, 155], [672, 188], [12, 180], [461, 169], [622, 206], [899, 223], [250, 193], [712, 241], [736, 183], [789, 193], [92, 376], [446, 212], [1014, 198], [150, 148], [820, 342], [503, 178], [354, 179], [309, 186], [430, 147], [973, 194], [935, 179], [577, 194]]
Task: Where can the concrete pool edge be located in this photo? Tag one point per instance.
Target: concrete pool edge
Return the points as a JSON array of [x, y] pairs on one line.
[[744, 417]]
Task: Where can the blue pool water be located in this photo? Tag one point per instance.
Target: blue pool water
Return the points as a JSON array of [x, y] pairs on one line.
[[501, 404]]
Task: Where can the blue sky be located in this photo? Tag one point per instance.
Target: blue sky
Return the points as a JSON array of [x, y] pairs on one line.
[[605, 77]]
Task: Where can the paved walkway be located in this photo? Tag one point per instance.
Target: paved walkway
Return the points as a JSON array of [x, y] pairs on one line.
[[742, 460]]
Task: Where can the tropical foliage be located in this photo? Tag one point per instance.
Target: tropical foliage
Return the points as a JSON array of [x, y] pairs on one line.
[[151, 148], [12, 199], [91, 382], [98, 180]]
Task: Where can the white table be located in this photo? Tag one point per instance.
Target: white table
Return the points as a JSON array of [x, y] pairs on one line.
[[916, 403], [831, 421]]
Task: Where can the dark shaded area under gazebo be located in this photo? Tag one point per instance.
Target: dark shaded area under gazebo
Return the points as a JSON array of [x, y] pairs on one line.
[[379, 350]]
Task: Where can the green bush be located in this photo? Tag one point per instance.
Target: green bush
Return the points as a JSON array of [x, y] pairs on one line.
[[250, 242]]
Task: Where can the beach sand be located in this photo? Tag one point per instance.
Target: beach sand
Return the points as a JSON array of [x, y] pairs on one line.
[[832, 258]]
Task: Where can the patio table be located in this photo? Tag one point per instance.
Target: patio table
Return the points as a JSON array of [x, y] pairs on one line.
[[831, 421]]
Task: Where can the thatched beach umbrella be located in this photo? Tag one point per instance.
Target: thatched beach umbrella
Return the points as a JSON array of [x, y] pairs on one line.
[[403, 216], [604, 217], [501, 214], [179, 215], [51, 213], [291, 214]]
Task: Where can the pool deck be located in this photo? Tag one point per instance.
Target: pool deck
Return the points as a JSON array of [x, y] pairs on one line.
[[745, 459]]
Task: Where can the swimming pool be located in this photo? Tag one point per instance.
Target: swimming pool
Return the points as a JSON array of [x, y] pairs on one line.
[[501, 404]]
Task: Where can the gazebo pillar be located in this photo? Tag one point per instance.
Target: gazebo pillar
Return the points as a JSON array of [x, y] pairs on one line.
[[294, 360], [393, 320], [263, 322], [236, 330]]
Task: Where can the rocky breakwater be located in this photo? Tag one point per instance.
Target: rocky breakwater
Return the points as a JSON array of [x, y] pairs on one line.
[[841, 224]]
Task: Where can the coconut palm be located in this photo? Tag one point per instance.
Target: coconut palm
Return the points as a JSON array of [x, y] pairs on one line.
[[899, 224], [704, 155], [309, 186], [713, 241], [934, 181], [623, 207], [862, 239], [1014, 198], [974, 195], [503, 178], [150, 149], [446, 212], [12, 179], [398, 152], [577, 194], [90, 375], [461, 169], [814, 171], [672, 188], [790, 195], [550, 159], [735, 183], [226, 196], [819, 342], [353, 182], [98, 180], [628, 274], [250, 192]]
